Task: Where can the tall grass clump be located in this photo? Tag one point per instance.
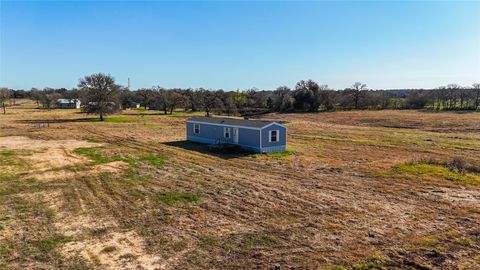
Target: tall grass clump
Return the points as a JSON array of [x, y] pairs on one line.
[[454, 170]]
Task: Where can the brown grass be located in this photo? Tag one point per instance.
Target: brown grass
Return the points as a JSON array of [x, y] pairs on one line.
[[337, 202]]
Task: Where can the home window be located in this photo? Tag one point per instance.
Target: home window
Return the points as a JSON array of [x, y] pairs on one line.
[[226, 133], [274, 136], [196, 128]]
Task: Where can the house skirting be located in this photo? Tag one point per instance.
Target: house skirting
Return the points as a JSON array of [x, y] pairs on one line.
[[280, 148], [213, 141]]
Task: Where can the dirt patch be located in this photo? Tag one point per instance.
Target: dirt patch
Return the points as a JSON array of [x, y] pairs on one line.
[[459, 196], [111, 167], [117, 250], [94, 239], [47, 155], [54, 159], [25, 143]]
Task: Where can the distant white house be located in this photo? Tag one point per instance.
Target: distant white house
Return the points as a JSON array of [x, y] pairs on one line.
[[133, 105], [63, 103]]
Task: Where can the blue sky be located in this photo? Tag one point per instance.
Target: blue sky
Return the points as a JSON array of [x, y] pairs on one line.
[[238, 45]]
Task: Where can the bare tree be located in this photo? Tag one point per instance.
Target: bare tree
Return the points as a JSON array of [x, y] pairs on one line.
[[175, 100], [229, 105], [476, 88], [356, 91], [209, 101], [48, 98], [36, 96], [452, 91], [191, 100], [100, 94], [5, 95], [160, 99], [146, 97], [326, 97]]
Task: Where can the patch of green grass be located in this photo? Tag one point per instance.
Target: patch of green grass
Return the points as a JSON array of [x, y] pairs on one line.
[[370, 265], [154, 160], [5, 250], [183, 113], [427, 241], [207, 242], [464, 145], [8, 176], [173, 198], [49, 244], [151, 126], [280, 155], [131, 161], [374, 262], [93, 154], [117, 119], [9, 158], [438, 171], [7, 154]]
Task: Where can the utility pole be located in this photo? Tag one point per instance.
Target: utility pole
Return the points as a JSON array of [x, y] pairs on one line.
[[128, 83]]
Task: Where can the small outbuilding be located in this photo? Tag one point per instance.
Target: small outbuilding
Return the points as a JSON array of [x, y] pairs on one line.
[[251, 135], [68, 103]]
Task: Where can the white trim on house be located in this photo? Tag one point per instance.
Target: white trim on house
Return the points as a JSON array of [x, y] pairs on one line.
[[198, 125], [237, 126], [221, 125], [225, 129], [260, 139], [286, 137], [274, 123], [277, 135], [236, 136]]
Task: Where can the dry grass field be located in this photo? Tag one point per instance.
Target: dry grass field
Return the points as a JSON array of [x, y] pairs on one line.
[[356, 190]]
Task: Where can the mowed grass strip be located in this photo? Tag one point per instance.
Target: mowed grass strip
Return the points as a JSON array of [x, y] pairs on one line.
[[117, 119]]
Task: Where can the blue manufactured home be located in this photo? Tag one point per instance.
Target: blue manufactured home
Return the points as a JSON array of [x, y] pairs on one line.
[[252, 135]]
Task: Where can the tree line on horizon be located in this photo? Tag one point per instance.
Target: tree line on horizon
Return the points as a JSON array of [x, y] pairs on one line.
[[101, 95]]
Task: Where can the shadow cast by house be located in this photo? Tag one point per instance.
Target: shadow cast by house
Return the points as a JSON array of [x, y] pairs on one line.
[[224, 152]]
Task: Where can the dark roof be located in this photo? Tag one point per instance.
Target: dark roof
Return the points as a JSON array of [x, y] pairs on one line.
[[231, 121]]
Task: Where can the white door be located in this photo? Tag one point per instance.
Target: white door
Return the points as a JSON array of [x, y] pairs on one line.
[[235, 135]]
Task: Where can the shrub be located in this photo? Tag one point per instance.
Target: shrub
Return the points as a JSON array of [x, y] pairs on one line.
[[458, 164]]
